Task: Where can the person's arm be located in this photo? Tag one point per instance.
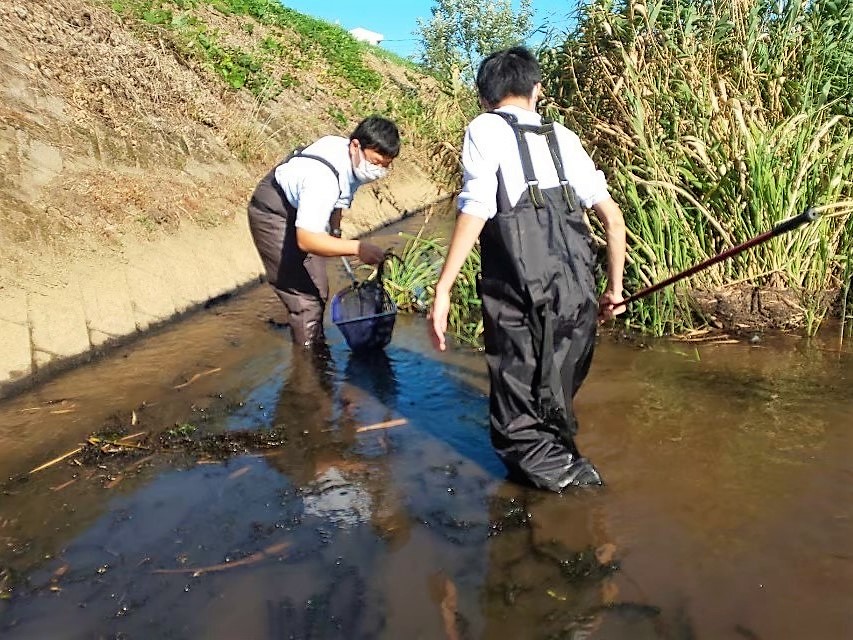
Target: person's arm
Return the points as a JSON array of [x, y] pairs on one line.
[[316, 200], [477, 203], [323, 244], [590, 186], [465, 234], [335, 222], [614, 230]]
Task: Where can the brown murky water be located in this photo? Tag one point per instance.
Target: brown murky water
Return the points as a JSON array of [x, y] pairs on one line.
[[728, 511]]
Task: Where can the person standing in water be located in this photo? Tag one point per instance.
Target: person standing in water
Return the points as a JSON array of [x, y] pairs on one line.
[[525, 180], [295, 217]]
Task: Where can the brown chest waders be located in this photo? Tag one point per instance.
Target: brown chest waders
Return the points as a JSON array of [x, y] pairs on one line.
[[298, 278], [539, 317]]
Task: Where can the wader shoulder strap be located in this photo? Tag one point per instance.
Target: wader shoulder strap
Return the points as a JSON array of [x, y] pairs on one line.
[[568, 191], [298, 152], [503, 202], [526, 162]]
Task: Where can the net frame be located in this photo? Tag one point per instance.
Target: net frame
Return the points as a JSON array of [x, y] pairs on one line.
[[365, 313]]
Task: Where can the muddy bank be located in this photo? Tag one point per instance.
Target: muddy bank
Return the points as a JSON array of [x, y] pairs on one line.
[[745, 308]]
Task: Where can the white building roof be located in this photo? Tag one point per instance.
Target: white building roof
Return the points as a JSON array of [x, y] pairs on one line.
[[366, 35]]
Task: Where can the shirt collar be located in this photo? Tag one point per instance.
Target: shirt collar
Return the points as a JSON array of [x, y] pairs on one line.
[[524, 115]]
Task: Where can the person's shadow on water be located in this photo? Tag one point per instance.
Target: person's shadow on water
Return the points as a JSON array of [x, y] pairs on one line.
[[552, 562], [338, 479]]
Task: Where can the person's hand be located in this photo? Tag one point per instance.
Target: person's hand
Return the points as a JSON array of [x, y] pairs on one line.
[[608, 305], [438, 319], [370, 253]]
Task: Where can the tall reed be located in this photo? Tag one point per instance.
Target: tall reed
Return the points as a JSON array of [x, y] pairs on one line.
[[716, 120]]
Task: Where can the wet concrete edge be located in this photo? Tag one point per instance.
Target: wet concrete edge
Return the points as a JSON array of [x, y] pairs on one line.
[[44, 333]]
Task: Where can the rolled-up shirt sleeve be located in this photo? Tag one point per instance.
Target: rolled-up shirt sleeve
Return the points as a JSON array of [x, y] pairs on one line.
[[480, 173], [589, 183]]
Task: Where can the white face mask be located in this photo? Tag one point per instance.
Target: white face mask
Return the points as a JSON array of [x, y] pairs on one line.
[[367, 171]]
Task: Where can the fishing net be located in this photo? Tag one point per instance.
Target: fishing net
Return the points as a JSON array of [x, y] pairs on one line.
[[364, 313]]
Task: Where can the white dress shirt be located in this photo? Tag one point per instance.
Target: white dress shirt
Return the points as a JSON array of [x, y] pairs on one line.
[[490, 144], [311, 187]]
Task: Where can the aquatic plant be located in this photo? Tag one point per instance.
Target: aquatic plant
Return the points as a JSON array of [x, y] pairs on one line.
[[465, 319], [409, 279], [411, 284], [716, 120]]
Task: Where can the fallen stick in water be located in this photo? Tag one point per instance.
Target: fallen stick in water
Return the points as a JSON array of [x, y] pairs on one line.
[[132, 436], [701, 338], [252, 559], [382, 425], [50, 463], [103, 444], [121, 443], [449, 610], [236, 474], [63, 485], [197, 376]]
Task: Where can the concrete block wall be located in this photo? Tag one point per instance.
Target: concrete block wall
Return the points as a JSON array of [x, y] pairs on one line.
[[93, 303], [51, 322]]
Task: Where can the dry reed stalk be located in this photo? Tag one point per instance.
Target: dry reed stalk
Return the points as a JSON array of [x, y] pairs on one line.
[[382, 425], [57, 460], [198, 376], [269, 552]]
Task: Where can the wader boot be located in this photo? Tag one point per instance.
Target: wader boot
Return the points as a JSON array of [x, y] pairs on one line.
[[539, 316], [298, 278]]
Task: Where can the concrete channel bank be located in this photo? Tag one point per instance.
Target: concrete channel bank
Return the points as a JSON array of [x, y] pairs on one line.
[[92, 304]]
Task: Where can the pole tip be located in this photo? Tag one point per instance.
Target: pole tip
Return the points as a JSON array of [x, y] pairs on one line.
[[811, 214]]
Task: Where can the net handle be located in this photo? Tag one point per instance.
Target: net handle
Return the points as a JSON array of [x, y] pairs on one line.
[[380, 269]]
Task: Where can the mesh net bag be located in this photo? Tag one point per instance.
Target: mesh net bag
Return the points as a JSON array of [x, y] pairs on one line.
[[365, 314]]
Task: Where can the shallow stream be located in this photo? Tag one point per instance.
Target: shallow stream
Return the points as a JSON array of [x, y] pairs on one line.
[[268, 511]]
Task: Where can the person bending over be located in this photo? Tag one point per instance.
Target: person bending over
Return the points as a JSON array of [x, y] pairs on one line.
[[295, 216]]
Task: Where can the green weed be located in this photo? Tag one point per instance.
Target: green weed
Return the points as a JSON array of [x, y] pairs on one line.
[[716, 121], [182, 430], [411, 284], [291, 42]]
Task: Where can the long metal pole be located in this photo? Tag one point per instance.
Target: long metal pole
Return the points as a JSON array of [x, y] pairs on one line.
[[809, 215]]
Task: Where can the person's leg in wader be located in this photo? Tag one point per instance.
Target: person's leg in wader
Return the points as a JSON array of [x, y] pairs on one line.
[[540, 312], [299, 279], [533, 432]]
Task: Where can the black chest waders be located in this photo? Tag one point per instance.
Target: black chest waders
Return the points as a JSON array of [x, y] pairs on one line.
[[539, 316], [298, 278]]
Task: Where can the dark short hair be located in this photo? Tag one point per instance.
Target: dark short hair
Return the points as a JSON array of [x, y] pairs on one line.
[[509, 72], [379, 134]]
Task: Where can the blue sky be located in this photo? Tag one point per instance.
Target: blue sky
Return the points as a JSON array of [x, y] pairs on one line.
[[398, 20]]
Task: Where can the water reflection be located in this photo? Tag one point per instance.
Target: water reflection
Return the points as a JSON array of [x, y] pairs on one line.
[[339, 480], [728, 498], [374, 372]]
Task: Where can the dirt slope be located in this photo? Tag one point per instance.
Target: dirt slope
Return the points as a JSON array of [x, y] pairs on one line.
[[114, 137]]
